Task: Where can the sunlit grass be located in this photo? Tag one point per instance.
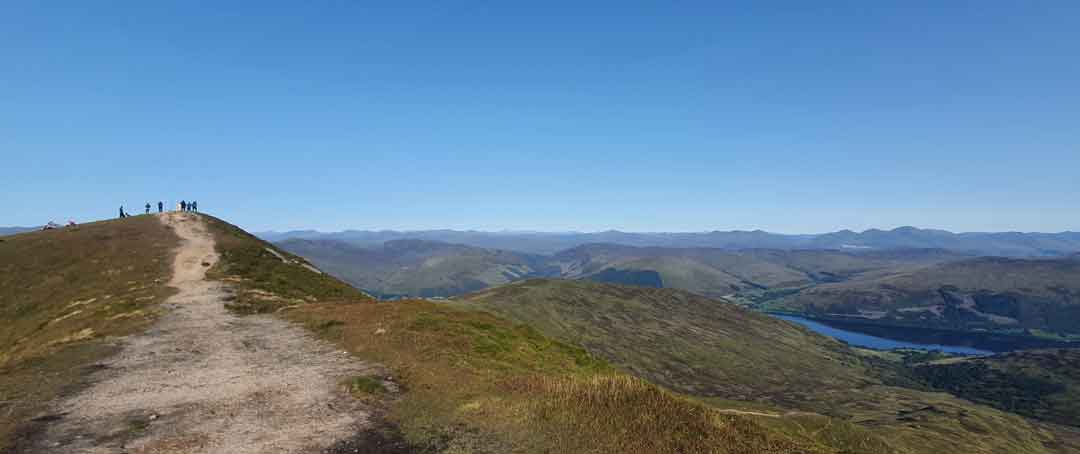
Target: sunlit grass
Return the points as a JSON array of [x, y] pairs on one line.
[[63, 294], [476, 381]]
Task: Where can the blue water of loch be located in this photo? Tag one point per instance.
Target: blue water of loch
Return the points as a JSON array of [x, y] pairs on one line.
[[877, 343]]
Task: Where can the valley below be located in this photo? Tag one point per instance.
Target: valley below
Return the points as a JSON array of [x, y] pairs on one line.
[[888, 340], [929, 296], [903, 320], [889, 337]]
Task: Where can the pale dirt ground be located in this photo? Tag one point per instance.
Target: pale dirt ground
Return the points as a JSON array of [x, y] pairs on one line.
[[204, 380]]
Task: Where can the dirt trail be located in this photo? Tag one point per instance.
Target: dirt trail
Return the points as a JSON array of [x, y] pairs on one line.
[[205, 380]]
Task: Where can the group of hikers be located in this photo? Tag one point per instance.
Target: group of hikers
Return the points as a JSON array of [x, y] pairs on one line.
[[192, 206], [182, 205]]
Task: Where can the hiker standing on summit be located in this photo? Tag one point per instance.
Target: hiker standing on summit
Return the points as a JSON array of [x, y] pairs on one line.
[[160, 207], [147, 207]]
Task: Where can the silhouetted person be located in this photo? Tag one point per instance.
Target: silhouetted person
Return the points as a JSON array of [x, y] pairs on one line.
[[195, 206], [122, 215], [160, 207], [147, 207], [183, 205]]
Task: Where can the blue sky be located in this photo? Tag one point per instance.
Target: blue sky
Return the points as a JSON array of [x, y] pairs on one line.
[[658, 116]]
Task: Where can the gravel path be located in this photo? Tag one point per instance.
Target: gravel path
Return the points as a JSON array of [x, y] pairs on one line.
[[205, 380]]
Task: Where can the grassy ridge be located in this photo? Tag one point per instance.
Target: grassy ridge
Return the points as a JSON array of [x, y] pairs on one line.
[[1034, 296], [1043, 384], [63, 294], [476, 383], [683, 341], [718, 351], [267, 278]]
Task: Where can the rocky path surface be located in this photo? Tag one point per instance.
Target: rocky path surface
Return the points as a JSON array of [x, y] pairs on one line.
[[205, 380]]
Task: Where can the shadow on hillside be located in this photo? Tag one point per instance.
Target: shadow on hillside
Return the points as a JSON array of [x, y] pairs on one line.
[[384, 438]]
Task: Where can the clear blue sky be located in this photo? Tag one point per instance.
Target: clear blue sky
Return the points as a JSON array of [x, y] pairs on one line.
[[678, 116]]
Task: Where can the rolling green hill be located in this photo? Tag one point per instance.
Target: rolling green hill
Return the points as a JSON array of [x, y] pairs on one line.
[[927, 288], [1044, 384], [721, 271], [730, 356], [422, 268], [983, 293], [690, 343], [417, 268]]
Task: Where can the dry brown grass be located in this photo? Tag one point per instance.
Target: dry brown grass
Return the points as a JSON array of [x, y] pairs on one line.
[[723, 354], [476, 383], [63, 294], [623, 414]]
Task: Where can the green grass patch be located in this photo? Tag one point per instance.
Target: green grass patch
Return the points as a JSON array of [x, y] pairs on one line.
[[266, 278], [1042, 384], [363, 386], [477, 383], [717, 351]]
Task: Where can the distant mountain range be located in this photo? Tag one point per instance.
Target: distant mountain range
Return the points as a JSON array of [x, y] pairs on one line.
[[421, 268], [1009, 244], [893, 286], [13, 230], [437, 269]]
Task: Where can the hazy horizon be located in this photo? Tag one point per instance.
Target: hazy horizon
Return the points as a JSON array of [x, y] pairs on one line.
[[586, 232], [331, 230]]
